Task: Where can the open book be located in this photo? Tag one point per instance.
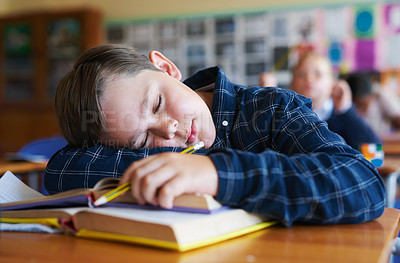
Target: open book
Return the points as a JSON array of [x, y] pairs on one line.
[[200, 203], [168, 229]]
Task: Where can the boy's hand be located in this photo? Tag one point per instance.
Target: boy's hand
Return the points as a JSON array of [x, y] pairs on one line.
[[158, 179], [341, 96]]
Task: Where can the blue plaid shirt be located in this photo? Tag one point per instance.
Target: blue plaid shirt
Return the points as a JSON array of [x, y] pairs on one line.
[[274, 157]]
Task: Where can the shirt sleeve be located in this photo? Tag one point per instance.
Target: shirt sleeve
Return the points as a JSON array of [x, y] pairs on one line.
[[306, 174], [72, 167]]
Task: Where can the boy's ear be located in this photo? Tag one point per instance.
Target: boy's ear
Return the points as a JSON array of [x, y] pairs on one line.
[[163, 63]]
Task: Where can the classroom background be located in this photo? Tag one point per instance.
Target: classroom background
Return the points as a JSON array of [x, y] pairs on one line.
[[41, 39]]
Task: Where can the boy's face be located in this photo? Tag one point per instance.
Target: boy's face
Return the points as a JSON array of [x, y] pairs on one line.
[[313, 79], [154, 109]]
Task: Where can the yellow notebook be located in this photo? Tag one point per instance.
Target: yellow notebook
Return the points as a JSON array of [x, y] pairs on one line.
[[165, 229]]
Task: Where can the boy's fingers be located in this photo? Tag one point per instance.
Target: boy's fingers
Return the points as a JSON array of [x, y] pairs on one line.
[[152, 182], [136, 172], [133, 167], [175, 187]]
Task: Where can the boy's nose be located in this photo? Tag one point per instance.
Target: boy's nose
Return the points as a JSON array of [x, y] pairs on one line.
[[166, 128]]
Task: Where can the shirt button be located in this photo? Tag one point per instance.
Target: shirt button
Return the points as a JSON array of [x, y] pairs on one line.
[[225, 123]]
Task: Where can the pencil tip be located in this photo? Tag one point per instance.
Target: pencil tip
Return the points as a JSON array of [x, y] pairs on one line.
[[199, 145]]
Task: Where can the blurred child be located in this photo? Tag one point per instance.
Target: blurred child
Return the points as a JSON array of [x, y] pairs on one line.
[[314, 78], [376, 104]]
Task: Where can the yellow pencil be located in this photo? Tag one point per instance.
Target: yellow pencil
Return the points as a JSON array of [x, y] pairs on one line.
[[126, 186]]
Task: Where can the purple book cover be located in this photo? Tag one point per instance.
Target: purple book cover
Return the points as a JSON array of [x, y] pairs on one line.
[[85, 201], [73, 201]]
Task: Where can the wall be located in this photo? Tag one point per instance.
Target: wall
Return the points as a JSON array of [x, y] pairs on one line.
[[364, 38], [128, 9]]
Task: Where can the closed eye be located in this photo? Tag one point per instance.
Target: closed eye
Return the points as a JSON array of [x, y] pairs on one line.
[[143, 144], [159, 103]]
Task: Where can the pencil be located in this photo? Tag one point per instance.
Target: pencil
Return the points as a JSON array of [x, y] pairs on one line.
[[126, 186], [193, 148]]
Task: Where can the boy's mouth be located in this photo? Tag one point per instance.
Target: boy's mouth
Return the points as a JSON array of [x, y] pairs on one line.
[[192, 134]]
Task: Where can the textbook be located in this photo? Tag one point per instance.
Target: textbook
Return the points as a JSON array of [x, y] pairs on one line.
[[168, 229], [200, 203]]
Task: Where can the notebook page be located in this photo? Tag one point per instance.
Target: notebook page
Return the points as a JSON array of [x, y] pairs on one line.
[[156, 216], [12, 189]]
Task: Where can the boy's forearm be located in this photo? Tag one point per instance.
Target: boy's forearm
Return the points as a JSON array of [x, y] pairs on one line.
[[320, 188], [73, 167]]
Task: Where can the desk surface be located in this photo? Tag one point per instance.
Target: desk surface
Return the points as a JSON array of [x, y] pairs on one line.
[[21, 167], [391, 164], [391, 143], [368, 242]]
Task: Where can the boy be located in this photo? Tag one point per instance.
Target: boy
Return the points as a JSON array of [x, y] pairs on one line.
[[313, 77], [377, 104], [267, 152]]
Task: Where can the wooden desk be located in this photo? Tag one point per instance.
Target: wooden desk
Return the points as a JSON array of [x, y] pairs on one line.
[[21, 167], [368, 242], [391, 164], [391, 143], [30, 172]]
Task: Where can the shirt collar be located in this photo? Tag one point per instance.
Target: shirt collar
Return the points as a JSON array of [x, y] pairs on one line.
[[224, 100]]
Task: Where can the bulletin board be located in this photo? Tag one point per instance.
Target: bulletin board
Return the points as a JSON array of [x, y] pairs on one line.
[[357, 37]]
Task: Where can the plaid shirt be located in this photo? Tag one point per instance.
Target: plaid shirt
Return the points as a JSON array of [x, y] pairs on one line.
[[274, 157]]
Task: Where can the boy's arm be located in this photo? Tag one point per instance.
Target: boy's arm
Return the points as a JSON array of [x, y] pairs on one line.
[[73, 167], [327, 187]]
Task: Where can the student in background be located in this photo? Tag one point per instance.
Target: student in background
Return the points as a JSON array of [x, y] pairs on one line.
[[267, 152], [314, 78], [379, 108]]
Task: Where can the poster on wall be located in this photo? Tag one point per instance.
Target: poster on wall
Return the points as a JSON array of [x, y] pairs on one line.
[[392, 18], [364, 21], [365, 55], [391, 35]]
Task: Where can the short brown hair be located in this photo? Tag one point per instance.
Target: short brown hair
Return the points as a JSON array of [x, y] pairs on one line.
[[80, 92], [316, 56]]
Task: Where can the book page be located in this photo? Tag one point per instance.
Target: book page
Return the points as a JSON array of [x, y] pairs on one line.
[[12, 189], [157, 216]]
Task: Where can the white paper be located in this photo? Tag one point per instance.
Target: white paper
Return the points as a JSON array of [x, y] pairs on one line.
[[12, 189], [28, 228], [157, 216]]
